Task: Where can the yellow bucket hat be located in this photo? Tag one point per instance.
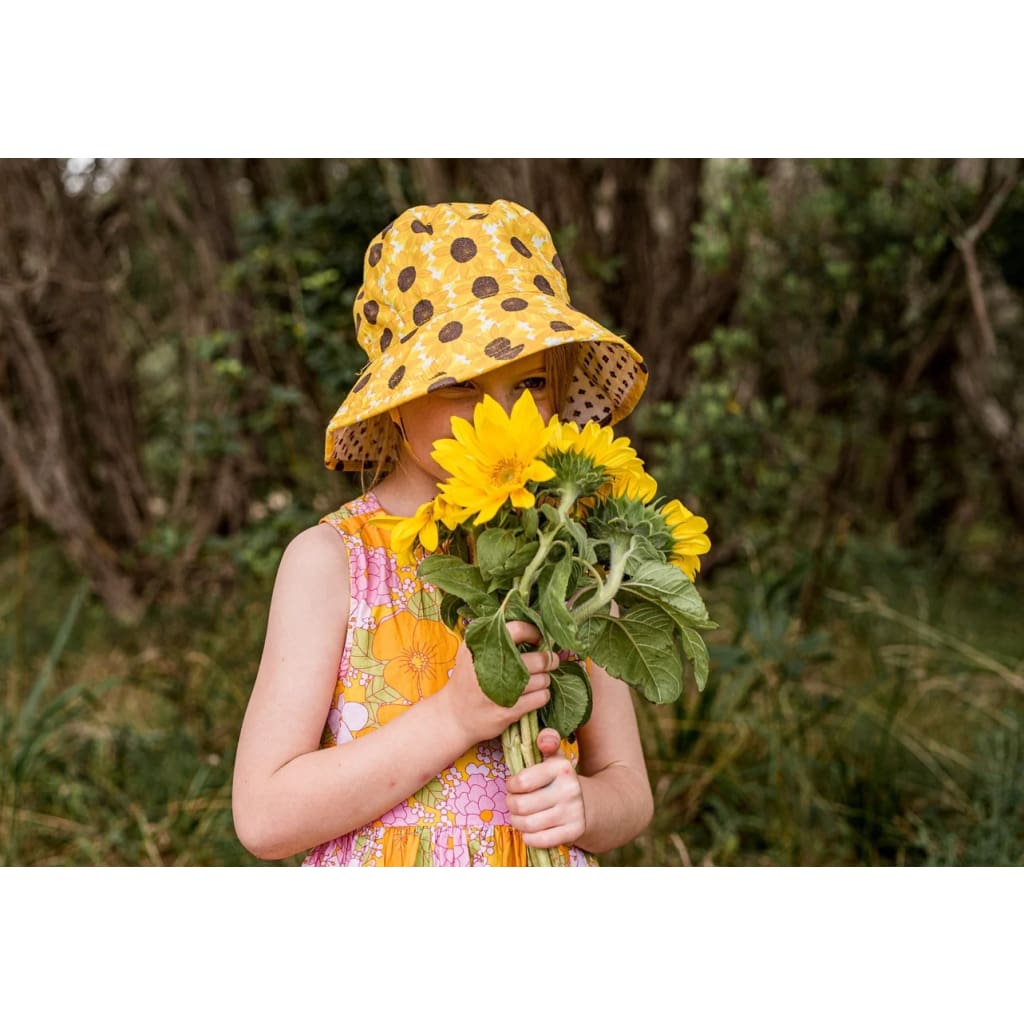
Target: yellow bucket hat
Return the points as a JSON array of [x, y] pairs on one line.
[[451, 291]]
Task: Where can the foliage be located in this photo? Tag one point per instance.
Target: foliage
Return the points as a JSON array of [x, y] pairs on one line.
[[823, 418], [807, 748]]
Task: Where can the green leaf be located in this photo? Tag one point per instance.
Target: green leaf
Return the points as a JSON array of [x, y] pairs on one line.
[[690, 640], [517, 610], [454, 576], [571, 699], [531, 522], [499, 668], [493, 549], [670, 587], [550, 513], [451, 610], [644, 553], [552, 587], [579, 535], [637, 653], [696, 650]]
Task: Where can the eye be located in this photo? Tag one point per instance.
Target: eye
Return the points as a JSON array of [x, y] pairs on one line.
[[534, 383], [456, 390]]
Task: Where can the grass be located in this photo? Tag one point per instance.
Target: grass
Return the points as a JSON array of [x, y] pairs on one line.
[[888, 732]]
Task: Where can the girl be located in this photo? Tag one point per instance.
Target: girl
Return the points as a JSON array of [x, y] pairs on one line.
[[367, 737]]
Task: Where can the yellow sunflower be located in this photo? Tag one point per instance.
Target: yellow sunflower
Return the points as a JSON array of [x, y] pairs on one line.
[[598, 443], [634, 482], [422, 525], [690, 535], [492, 459]]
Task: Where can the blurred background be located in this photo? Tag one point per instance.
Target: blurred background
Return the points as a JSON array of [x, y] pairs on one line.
[[836, 350]]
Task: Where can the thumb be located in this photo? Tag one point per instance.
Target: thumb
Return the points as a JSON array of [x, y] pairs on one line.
[[549, 743]]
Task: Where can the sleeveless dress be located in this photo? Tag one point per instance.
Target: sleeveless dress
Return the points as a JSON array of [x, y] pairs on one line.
[[398, 651]]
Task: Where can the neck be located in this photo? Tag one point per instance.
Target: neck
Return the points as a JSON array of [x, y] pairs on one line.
[[406, 487]]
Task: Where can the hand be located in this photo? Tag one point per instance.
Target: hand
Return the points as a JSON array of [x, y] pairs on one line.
[[545, 801], [476, 714]]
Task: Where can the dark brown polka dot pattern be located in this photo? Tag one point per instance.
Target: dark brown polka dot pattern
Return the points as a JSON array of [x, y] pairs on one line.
[[444, 300], [485, 287], [463, 250], [450, 332], [502, 348]]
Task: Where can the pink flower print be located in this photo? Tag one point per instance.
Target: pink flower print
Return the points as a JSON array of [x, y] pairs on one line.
[[489, 752], [401, 814], [381, 579], [347, 718], [481, 802], [478, 769], [451, 850]]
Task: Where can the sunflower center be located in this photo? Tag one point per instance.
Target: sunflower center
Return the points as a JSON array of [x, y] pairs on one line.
[[506, 471]]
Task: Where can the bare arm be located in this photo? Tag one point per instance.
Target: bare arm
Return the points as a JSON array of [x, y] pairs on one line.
[[616, 790], [608, 802], [288, 795]]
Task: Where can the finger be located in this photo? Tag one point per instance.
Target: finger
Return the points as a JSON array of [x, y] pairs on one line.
[[549, 743], [538, 821], [540, 661], [562, 836], [537, 681], [537, 778], [523, 632], [526, 803], [531, 700]]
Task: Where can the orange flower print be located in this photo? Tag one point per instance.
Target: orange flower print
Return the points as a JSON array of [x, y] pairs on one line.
[[416, 654]]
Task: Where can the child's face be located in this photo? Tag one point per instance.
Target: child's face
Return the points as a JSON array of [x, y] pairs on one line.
[[428, 419]]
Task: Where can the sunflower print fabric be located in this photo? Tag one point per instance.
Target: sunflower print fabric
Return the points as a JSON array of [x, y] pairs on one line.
[[398, 651]]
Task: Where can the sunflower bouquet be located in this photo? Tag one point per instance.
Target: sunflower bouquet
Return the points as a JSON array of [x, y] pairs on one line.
[[549, 523]]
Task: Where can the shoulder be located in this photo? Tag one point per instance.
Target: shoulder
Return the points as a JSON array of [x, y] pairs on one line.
[[315, 549], [313, 573]]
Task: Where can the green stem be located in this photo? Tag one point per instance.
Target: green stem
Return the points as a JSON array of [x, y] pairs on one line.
[[607, 590], [545, 542], [519, 743]]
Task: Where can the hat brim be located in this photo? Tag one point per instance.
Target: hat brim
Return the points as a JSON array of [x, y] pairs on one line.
[[462, 343]]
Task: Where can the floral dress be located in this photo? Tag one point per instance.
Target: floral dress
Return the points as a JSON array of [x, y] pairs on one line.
[[398, 651]]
